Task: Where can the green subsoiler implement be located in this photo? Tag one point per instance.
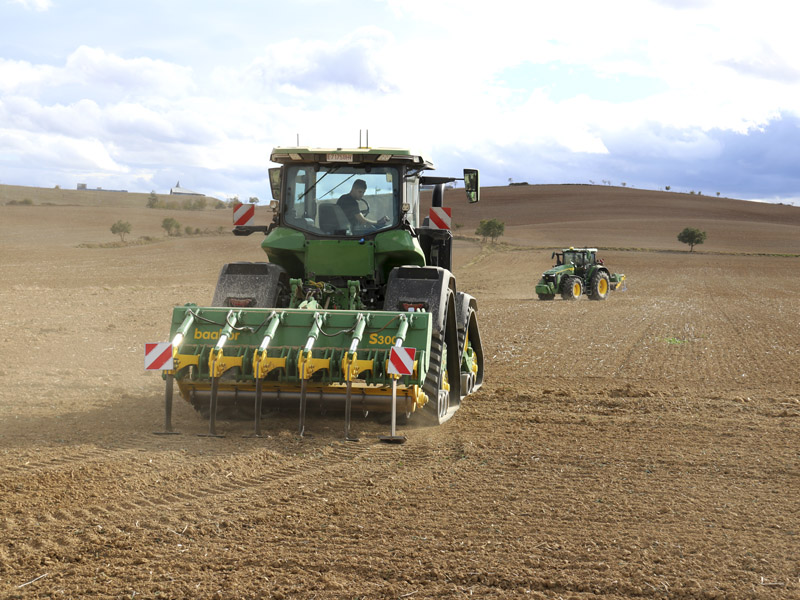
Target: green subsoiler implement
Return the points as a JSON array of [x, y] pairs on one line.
[[318, 325]]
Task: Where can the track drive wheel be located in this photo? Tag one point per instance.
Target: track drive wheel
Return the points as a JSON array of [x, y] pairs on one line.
[[442, 382], [437, 385], [572, 288], [598, 290], [470, 347], [546, 296]]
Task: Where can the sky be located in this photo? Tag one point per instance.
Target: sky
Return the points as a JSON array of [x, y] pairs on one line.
[[695, 95]]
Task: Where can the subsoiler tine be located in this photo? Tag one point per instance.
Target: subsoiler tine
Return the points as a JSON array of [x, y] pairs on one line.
[[170, 377], [302, 426], [257, 431], [361, 322], [168, 406], [305, 357], [275, 320], [212, 410], [348, 405]]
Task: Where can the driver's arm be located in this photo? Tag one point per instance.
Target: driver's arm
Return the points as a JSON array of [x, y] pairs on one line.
[[362, 220]]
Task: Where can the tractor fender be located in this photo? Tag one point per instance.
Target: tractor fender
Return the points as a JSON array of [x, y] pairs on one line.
[[434, 287], [598, 269], [463, 303]]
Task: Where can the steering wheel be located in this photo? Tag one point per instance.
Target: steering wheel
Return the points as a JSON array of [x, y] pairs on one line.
[[363, 207]]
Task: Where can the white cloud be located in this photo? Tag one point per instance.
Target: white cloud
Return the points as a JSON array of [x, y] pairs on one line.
[[59, 152], [304, 67], [96, 73], [22, 76], [140, 76], [580, 81], [37, 5]]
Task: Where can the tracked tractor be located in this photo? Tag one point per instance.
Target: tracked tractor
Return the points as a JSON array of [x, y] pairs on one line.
[[355, 277], [578, 271]]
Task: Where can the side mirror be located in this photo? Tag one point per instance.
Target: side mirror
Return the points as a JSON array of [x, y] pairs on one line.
[[275, 182], [472, 185]]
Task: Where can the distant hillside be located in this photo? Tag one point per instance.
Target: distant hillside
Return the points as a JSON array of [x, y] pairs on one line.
[[61, 197], [546, 216], [594, 215]]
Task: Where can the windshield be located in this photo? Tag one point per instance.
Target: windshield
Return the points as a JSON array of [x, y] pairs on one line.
[[341, 200]]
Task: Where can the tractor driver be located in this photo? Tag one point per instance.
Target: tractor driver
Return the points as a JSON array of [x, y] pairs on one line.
[[349, 205]]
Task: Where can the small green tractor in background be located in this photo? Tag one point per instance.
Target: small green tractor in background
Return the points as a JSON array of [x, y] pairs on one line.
[[578, 271]]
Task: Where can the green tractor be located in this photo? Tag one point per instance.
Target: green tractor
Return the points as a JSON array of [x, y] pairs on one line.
[[354, 279], [578, 271]]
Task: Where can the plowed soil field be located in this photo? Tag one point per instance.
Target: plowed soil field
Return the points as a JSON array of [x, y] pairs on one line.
[[647, 446]]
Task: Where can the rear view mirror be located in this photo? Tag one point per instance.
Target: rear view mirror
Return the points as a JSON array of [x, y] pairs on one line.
[[472, 185], [275, 182]]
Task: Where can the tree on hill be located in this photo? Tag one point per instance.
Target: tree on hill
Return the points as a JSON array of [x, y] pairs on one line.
[[171, 226], [692, 236], [121, 228], [152, 200], [491, 228]]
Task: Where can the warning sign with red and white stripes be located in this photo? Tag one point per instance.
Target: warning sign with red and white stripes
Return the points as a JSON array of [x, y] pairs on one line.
[[401, 360], [243, 214], [158, 356], [440, 217]]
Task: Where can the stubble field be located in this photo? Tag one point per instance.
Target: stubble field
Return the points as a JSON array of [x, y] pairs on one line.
[[642, 447]]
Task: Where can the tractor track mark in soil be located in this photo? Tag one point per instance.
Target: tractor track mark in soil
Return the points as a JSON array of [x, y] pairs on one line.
[[91, 522], [114, 506]]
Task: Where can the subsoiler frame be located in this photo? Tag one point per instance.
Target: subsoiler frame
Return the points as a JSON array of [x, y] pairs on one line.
[[350, 365]]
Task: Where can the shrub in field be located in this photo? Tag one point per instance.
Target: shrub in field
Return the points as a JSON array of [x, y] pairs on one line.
[[171, 226], [692, 236], [121, 228], [491, 228]]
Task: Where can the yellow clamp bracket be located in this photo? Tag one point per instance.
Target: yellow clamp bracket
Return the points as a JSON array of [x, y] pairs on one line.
[[263, 364], [218, 363], [420, 397], [180, 361], [307, 365], [355, 365]]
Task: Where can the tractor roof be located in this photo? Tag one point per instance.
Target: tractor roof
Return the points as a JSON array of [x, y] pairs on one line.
[[579, 250], [304, 154]]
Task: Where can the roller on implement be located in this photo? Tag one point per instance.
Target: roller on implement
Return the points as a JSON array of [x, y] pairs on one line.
[[354, 277]]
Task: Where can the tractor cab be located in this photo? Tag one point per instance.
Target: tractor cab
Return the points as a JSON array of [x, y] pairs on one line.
[[354, 214], [352, 193], [579, 258], [341, 200]]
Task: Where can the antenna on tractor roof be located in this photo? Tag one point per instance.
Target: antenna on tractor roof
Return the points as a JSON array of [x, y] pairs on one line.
[[359, 139]]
